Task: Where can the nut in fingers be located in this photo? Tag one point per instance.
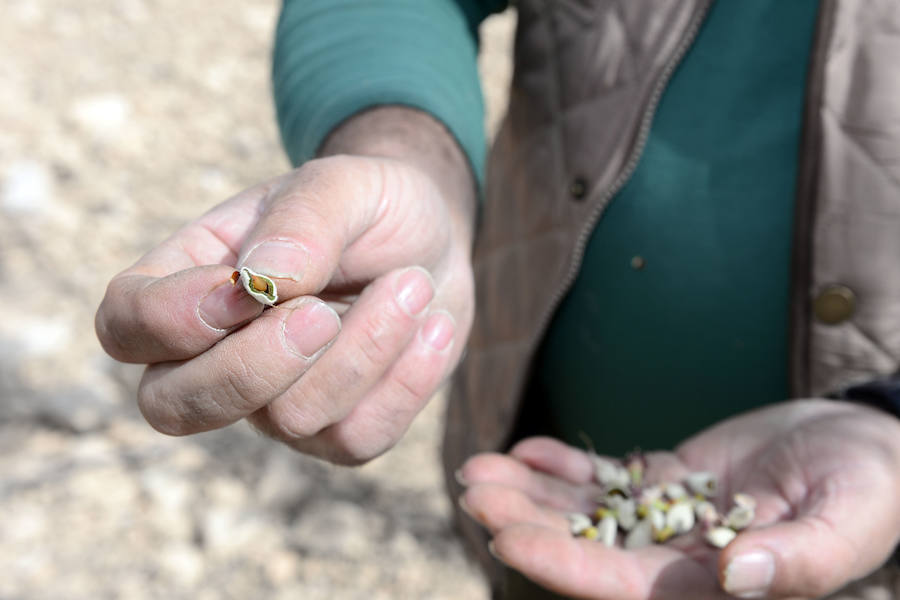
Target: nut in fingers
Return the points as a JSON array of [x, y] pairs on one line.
[[259, 286]]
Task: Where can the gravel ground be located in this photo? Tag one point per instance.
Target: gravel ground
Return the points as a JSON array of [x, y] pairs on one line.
[[120, 120]]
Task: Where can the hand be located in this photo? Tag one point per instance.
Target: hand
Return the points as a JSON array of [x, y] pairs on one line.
[[384, 237], [825, 476]]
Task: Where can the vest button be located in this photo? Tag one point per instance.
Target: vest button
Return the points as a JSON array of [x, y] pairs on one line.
[[834, 304], [578, 188]]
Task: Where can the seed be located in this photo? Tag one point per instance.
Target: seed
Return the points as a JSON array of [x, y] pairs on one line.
[[675, 491], [702, 483], [578, 523], [680, 517], [591, 533], [610, 475], [606, 530], [259, 284], [720, 536], [706, 512], [641, 535], [739, 517], [626, 514], [663, 534], [235, 276], [744, 500]]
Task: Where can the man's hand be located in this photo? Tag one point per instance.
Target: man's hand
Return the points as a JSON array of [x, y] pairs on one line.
[[382, 236], [826, 476]]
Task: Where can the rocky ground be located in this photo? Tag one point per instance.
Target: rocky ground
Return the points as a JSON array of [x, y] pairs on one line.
[[120, 120]]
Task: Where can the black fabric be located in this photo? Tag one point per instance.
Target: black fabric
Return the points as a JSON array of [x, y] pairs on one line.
[[881, 393]]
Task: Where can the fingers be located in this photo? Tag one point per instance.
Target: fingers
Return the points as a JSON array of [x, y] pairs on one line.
[[240, 374], [581, 568], [542, 488], [808, 557], [553, 456], [840, 520], [341, 221], [776, 562], [177, 301], [381, 418], [497, 506], [377, 329], [148, 319]]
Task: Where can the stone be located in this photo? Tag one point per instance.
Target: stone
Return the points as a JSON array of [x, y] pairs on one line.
[[27, 188]]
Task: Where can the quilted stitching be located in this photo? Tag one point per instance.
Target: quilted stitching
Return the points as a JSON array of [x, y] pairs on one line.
[[857, 229]]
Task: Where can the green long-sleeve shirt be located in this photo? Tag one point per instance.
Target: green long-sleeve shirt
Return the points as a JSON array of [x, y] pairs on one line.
[[333, 58], [634, 356]]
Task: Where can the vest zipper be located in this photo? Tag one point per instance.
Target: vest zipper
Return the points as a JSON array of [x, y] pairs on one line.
[[804, 208], [626, 173]]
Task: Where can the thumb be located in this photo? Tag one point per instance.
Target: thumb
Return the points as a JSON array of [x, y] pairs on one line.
[[808, 557], [304, 227], [340, 221]]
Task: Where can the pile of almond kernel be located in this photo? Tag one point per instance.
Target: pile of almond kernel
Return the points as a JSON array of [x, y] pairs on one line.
[[642, 514]]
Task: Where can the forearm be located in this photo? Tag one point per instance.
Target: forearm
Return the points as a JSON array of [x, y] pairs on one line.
[[418, 139], [336, 58]]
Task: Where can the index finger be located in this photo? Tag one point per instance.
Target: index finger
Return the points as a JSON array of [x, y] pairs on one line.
[[177, 300]]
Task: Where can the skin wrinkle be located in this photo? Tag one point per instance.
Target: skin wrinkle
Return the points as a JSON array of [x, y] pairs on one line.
[[388, 225], [852, 548], [382, 206], [296, 423], [822, 584], [376, 342], [247, 384], [165, 413], [774, 462], [382, 436], [825, 494], [230, 258], [112, 331]]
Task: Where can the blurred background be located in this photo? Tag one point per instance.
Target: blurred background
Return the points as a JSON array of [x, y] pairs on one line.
[[119, 121]]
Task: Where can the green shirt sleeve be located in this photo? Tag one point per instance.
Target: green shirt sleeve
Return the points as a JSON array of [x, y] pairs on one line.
[[334, 58]]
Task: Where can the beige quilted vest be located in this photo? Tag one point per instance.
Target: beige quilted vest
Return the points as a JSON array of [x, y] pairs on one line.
[[588, 77]]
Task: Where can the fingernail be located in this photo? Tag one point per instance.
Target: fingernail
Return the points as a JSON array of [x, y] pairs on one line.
[[493, 550], [278, 258], [310, 327], [750, 575], [460, 479], [464, 506], [226, 306], [414, 290], [438, 330]]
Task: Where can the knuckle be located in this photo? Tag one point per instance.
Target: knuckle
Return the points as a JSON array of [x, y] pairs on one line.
[[245, 386], [108, 335], [412, 391], [300, 420], [381, 336], [299, 427], [154, 410], [356, 453], [112, 327]]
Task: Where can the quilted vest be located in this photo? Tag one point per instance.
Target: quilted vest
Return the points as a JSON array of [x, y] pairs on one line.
[[588, 76]]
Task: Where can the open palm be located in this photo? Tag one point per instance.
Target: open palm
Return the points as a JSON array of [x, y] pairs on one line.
[[825, 474]]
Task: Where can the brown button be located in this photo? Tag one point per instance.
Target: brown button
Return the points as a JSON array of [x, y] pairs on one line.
[[578, 188], [834, 304]]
